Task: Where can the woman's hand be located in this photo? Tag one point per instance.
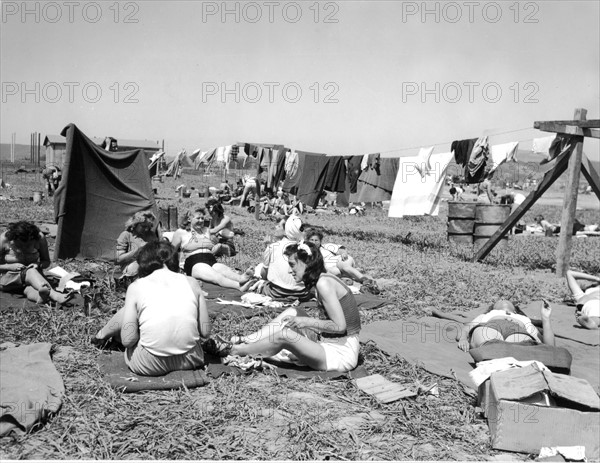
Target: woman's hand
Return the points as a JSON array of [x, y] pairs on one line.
[[546, 310], [296, 323], [463, 344], [14, 267], [343, 254]]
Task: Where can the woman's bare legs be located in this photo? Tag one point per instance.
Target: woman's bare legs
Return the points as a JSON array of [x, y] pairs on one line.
[[39, 290], [268, 331], [308, 352], [112, 329]]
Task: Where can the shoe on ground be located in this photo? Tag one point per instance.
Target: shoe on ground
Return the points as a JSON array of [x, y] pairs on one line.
[[217, 346]]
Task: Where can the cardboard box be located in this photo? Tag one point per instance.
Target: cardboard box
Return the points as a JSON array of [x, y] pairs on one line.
[[520, 426]]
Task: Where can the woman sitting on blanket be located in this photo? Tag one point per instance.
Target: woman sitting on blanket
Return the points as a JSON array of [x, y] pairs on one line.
[[194, 242], [336, 346], [502, 322], [163, 317], [220, 229], [23, 256], [139, 230], [588, 300]]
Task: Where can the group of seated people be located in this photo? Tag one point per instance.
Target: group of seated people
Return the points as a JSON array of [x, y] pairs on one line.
[[296, 265]]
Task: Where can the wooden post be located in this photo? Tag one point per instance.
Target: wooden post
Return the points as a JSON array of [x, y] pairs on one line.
[[257, 199], [563, 253], [39, 150]]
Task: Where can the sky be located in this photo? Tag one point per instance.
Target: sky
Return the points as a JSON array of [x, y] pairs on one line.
[[340, 78]]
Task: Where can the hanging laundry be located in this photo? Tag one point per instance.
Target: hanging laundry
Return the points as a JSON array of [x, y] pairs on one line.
[[377, 183], [422, 161], [353, 170], [417, 195], [335, 179], [311, 181], [462, 150], [365, 162], [234, 153], [476, 169], [542, 145], [294, 162], [501, 153], [279, 160]]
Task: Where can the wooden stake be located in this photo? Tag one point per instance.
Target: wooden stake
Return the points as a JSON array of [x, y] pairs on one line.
[[563, 253], [257, 201]]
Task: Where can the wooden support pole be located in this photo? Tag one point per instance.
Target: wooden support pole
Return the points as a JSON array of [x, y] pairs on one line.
[[257, 201], [550, 177], [563, 253]]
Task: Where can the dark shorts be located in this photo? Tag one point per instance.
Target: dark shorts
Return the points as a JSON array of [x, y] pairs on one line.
[[13, 281], [200, 258], [505, 327]]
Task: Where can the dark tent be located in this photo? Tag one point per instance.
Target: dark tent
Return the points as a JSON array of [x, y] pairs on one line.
[[99, 191]]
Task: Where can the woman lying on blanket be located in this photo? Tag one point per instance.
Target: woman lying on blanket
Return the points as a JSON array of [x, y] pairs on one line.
[[163, 318], [139, 230], [337, 260], [195, 244], [503, 324], [588, 300], [336, 347], [23, 256]]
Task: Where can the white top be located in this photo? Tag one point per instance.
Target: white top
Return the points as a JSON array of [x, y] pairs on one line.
[[167, 314], [278, 266]]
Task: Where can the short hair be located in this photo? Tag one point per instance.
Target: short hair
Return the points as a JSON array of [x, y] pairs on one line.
[[140, 217], [22, 231], [314, 232], [216, 205], [155, 255], [313, 261], [538, 218]]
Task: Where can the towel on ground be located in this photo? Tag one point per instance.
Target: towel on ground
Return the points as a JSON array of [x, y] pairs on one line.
[[31, 389]]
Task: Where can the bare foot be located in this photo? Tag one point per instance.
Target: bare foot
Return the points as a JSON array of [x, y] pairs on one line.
[[44, 294]]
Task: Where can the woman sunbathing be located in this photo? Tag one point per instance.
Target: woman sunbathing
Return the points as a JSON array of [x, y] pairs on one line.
[[23, 256], [193, 240], [163, 318], [588, 300], [139, 230], [505, 323], [220, 229], [337, 346]]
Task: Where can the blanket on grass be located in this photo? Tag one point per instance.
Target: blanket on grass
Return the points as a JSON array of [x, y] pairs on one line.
[[430, 343], [116, 373], [564, 323], [216, 309], [31, 389], [120, 377], [13, 301]]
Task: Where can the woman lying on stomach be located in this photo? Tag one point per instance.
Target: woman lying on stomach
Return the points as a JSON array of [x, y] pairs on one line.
[[163, 318]]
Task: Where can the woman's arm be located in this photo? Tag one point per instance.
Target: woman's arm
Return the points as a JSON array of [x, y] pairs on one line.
[[548, 332], [44, 254], [176, 243], [221, 225], [573, 284], [328, 297], [130, 330], [124, 251], [204, 325]]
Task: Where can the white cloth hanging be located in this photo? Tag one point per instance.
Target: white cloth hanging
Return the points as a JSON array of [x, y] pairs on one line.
[[417, 195], [542, 145], [423, 163], [502, 153]]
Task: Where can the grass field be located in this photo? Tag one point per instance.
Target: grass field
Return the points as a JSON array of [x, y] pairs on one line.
[[261, 416]]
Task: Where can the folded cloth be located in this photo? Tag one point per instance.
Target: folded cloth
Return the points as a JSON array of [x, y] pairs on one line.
[[557, 359], [120, 377], [31, 389]]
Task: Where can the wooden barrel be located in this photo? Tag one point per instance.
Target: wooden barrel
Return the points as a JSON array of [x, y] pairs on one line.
[[173, 219], [488, 219], [163, 218], [461, 220]]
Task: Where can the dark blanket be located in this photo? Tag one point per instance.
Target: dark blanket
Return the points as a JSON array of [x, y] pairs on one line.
[[98, 193], [119, 376], [289, 370], [217, 310], [12, 301], [557, 359]]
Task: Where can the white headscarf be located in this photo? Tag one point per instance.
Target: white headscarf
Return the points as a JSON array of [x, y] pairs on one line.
[[292, 228]]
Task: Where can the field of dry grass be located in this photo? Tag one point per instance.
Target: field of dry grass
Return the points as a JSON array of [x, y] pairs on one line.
[[261, 416]]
